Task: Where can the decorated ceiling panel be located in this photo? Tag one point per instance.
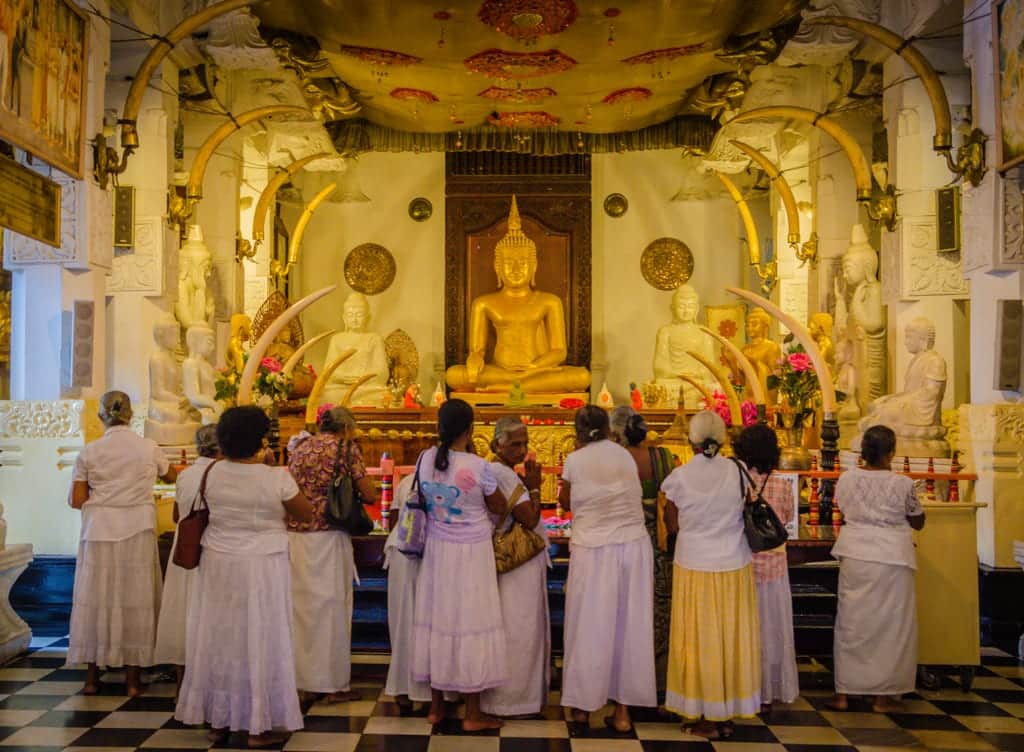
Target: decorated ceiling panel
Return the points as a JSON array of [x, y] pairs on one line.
[[573, 65]]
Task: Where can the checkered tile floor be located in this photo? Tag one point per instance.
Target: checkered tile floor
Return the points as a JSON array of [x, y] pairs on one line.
[[40, 709]]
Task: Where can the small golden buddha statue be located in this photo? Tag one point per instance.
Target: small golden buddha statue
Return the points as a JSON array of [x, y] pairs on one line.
[[820, 327], [238, 344], [529, 327], [761, 351]]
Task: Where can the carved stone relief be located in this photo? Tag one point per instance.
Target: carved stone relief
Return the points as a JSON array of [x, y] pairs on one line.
[[235, 42], [976, 222], [926, 272], [41, 420], [140, 269], [1012, 251], [890, 274], [828, 45]]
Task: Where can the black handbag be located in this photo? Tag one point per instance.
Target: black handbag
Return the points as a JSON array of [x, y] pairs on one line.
[[763, 528], [344, 509]]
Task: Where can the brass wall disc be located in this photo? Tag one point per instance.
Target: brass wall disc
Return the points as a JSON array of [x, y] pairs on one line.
[[666, 263], [369, 268]]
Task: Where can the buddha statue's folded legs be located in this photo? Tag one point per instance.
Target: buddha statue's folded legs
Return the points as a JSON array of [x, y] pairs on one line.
[[540, 381]]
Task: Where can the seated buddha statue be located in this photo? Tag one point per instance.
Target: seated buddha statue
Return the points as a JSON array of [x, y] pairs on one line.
[[761, 351], [370, 357], [673, 343], [529, 327], [915, 414]]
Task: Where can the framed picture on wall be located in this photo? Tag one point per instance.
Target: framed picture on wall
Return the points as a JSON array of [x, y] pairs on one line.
[[1008, 49], [43, 56], [728, 321]]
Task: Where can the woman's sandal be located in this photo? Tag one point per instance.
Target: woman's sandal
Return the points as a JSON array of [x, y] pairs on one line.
[[704, 729]]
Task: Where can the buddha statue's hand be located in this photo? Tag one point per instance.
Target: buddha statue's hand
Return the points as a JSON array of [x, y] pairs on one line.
[[474, 365]]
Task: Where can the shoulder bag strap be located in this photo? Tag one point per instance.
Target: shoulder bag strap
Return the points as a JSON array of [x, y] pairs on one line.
[[746, 482], [764, 483], [202, 488]]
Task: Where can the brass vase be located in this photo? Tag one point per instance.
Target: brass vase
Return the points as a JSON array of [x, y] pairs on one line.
[[794, 455]]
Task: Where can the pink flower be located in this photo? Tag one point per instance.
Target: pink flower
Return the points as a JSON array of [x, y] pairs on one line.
[[322, 409], [271, 364], [749, 412], [799, 361]]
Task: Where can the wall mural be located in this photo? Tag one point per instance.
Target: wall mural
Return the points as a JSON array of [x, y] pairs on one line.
[[1008, 47], [43, 53]]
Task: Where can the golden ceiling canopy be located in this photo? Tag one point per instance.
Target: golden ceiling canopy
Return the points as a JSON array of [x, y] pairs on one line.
[[568, 65]]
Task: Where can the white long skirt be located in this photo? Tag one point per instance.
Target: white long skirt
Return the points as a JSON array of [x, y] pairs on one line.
[[876, 629], [524, 608], [116, 602], [170, 630], [402, 573], [323, 568], [240, 668], [458, 638], [609, 626], [780, 681]]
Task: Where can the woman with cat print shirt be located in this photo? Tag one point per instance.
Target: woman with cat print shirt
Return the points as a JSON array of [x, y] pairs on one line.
[[458, 634]]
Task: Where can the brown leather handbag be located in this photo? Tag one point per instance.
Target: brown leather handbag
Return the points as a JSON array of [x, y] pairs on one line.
[[188, 545], [517, 546]]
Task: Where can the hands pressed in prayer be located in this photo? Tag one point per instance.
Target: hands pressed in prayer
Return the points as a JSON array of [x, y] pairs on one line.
[[531, 476]]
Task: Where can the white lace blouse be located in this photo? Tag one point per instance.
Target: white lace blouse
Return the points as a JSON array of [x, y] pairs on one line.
[[875, 506]]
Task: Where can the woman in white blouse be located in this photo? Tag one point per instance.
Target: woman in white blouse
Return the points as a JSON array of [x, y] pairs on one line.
[[876, 623], [609, 594], [239, 658], [117, 575]]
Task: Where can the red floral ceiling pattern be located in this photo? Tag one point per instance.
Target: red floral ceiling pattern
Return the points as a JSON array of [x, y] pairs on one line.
[[632, 94], [502, 64], [536, 119], [419, 95], [516, 96], [379, 56], [669, 53], [528, 19]]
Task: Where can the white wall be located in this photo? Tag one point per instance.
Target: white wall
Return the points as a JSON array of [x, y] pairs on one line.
[[626, 310], [415, 301]]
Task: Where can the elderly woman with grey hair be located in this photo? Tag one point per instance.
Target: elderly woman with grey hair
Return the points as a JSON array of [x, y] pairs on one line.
[[322, 560], [714, 662], [117, 577], [178, 582], [523, 590]]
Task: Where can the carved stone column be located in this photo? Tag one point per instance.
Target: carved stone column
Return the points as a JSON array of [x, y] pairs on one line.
[[992, 445]]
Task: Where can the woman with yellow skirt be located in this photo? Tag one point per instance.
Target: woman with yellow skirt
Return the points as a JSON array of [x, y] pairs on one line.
[[714, 663]]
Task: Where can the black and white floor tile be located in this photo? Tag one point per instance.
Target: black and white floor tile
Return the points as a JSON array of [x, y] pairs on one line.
[[41, 710]]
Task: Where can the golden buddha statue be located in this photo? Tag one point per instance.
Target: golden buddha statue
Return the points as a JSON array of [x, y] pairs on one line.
[[238, 345], [820, 328], [761, 351], [529, 327]]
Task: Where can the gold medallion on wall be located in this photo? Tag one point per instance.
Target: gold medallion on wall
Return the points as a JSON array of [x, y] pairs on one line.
[[666, 263], [369, 268]]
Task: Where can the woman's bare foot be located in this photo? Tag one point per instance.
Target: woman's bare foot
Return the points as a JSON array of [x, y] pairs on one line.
[[706, 729], [218, 735], [92, 680], [839, 702], [133, 681], [267, 739], [887, 704], [482, 722], [579, 716], [436, 713]]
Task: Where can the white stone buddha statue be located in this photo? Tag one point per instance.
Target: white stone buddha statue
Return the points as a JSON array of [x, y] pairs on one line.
[[673, 342], [198, 375], [168, 421], [370, 357], [915, 414], [195, 304]]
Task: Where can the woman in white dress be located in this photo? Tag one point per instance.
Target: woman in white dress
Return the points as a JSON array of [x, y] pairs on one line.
[[240, 666], [523, 590], [117, 577], [758, 448], [876, 623], [170, 631], [458, 635], [402, 572], [322, 561], [609, 593]]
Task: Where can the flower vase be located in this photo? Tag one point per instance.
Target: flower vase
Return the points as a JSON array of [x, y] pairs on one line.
[[794, 455]]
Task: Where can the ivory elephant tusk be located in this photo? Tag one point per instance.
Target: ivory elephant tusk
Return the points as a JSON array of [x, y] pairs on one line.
[[352, 389], [300, 226], [709, 400], [735, 412], [821, 369], [313, 401], [781, 184], [745, 365], [293, 361], [768, 274], [260, 348], [943, 139], [132, 103], [259, 217]]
